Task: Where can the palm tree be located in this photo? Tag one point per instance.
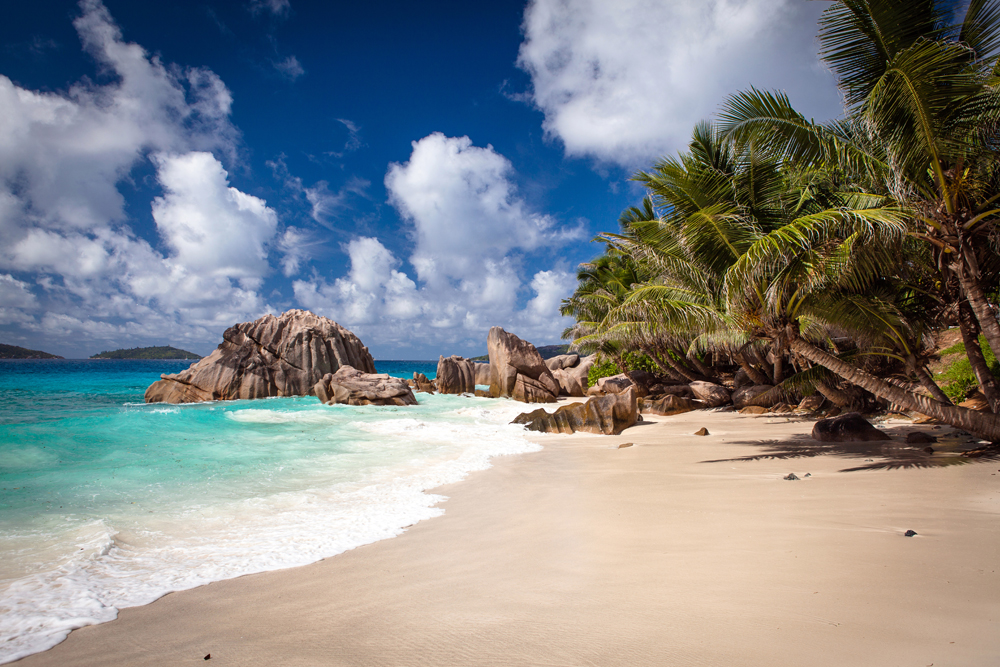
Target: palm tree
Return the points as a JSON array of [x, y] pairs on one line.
[[922, 125]]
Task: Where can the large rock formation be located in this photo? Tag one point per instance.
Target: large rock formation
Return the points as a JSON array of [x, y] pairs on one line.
[[609, 415], [482, 373], [455, 375], [517, 370], [573, 379], [352, 387], [272, 356], [562, 361]]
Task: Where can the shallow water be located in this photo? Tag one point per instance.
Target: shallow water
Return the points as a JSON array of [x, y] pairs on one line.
[[106, 502]]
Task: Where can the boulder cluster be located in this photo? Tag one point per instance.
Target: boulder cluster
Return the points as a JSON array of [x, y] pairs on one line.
[[271, 356], [661, 396], [299, 353], [608, 415]]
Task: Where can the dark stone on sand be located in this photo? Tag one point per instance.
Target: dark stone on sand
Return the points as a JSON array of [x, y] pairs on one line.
[[851, 427], [929, 450], [701, 431], [910, 533], [919, 438], [791, 476]]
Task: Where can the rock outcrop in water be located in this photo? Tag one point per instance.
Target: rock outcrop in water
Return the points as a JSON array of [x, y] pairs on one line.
[[609, 415], [350, 386], [455, 375], [271, 356], [517, 370]]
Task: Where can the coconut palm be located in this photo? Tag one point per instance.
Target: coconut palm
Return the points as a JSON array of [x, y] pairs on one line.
[[922, 125]]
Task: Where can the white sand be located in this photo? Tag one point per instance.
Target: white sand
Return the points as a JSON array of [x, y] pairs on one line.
[[586, 555]]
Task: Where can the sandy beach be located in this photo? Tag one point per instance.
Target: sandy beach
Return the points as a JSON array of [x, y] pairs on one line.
[[586, 554]]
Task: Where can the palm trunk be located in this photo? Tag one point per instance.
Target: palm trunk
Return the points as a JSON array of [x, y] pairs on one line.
[[983, 424], [987, 320], [970, 336], [683, 370], [928, 383], [669, 372], [762, 362], [779, 371], [700, 367], [755, 375], [834, 395]]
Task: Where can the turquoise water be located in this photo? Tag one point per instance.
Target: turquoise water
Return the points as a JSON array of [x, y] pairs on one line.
[[106, 502]]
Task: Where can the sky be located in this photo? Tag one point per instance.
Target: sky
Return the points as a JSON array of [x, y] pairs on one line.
[[417, 172]]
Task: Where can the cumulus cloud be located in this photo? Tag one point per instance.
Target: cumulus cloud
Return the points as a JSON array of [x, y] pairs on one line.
[[625, 81], [64, 233], [473, 237], [211, 228], [464, 208]]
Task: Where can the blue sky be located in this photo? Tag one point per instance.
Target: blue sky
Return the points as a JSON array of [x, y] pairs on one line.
[[417, 172]]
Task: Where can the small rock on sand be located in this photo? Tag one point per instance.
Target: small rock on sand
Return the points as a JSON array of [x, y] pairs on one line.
[[910, 533], [624, 445], [919, 437], [701, 431], [791, 476]]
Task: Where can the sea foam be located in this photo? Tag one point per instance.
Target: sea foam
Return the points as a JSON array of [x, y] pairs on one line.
[[190, 495]]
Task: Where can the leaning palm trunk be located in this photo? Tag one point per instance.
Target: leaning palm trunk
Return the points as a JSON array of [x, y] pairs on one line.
[[928, 383], [669, 372], [755, 375], [985, 316], [983, 424], [970, 336], [834, 395]]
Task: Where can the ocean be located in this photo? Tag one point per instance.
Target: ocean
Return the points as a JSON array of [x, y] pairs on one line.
[[106, 502]]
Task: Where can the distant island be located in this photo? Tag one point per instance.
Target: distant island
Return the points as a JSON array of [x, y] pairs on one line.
[[15, 352], [161, 352], [547, 352]]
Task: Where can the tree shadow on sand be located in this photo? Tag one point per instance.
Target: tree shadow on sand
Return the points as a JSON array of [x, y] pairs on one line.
[[951, 448]]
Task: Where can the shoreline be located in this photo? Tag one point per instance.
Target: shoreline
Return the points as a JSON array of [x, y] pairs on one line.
[[582, 553]]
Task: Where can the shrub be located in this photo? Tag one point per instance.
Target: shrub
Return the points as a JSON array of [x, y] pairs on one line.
[[958, 380], [634, 361]]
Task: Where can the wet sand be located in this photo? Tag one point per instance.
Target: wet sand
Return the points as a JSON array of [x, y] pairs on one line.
[[584, 554]]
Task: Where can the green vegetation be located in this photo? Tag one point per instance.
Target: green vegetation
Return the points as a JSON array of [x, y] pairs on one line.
[[15, 352], [824, 256], [634, 361], [958, 380], [162, 352]]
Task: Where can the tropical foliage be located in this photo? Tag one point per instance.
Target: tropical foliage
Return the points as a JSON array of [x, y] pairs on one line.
[[825, 256]]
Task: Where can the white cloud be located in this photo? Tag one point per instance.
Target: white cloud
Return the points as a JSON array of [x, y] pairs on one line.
[[290, 68], [625, 81], [473, 236], [63, 228], [212, 228], [327, 205], [464, 209]]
